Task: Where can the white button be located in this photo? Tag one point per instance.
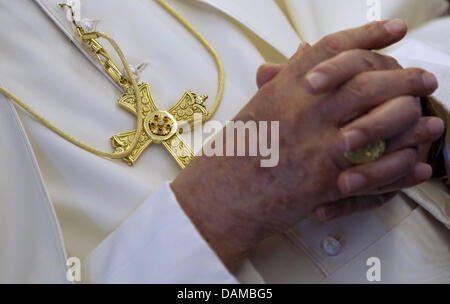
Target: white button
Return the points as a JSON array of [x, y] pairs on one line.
[[331, 246]]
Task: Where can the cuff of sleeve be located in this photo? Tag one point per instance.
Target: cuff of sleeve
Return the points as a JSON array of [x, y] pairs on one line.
[[156, 244]]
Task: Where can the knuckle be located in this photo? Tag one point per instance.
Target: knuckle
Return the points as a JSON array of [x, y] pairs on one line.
[[414, 77], [330, 67], [411, 107], [372, 130], [260, 74], [363, 86], [376, 174], [375, 30], [261, 69], [411, 156], [332, 44], [391, 62], [375, 27], [271, 91], [351, 54], [419, 134], [368, 59]]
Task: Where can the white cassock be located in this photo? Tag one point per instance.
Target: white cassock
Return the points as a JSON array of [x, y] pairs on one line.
[[124, 223]]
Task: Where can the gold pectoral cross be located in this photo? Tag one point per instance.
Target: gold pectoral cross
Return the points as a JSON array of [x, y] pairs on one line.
[[160, 126]]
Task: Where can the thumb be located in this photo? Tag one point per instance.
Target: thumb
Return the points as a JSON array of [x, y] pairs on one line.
[[267, 72], [303, 47], [351, 205]]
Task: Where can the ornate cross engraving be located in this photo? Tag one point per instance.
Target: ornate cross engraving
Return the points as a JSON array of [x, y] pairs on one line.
[[160, 126]]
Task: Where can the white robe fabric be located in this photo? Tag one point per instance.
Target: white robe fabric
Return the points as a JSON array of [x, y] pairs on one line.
[[58, 201]]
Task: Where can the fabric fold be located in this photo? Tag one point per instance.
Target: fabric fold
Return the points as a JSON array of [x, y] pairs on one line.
[[128, 254]]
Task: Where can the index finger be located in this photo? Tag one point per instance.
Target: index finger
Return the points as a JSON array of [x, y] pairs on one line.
[[351, 205], [372, 36]]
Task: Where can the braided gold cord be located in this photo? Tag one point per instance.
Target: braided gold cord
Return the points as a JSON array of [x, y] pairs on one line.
[[210, 49]]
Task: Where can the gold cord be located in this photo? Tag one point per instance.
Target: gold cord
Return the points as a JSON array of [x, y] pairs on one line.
[[75, 141], [205, 43], [131, 78]]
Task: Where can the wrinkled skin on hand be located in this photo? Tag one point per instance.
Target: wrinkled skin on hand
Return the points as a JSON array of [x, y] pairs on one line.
[[419, 136], [324, 110]]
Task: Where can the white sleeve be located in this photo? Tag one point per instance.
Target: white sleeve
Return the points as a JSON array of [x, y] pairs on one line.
[[156, 244]]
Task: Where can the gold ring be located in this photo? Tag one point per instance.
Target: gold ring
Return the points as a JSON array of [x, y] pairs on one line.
[[367, 154]]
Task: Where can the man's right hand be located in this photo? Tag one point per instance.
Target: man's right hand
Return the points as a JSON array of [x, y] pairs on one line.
[[235, 203]]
